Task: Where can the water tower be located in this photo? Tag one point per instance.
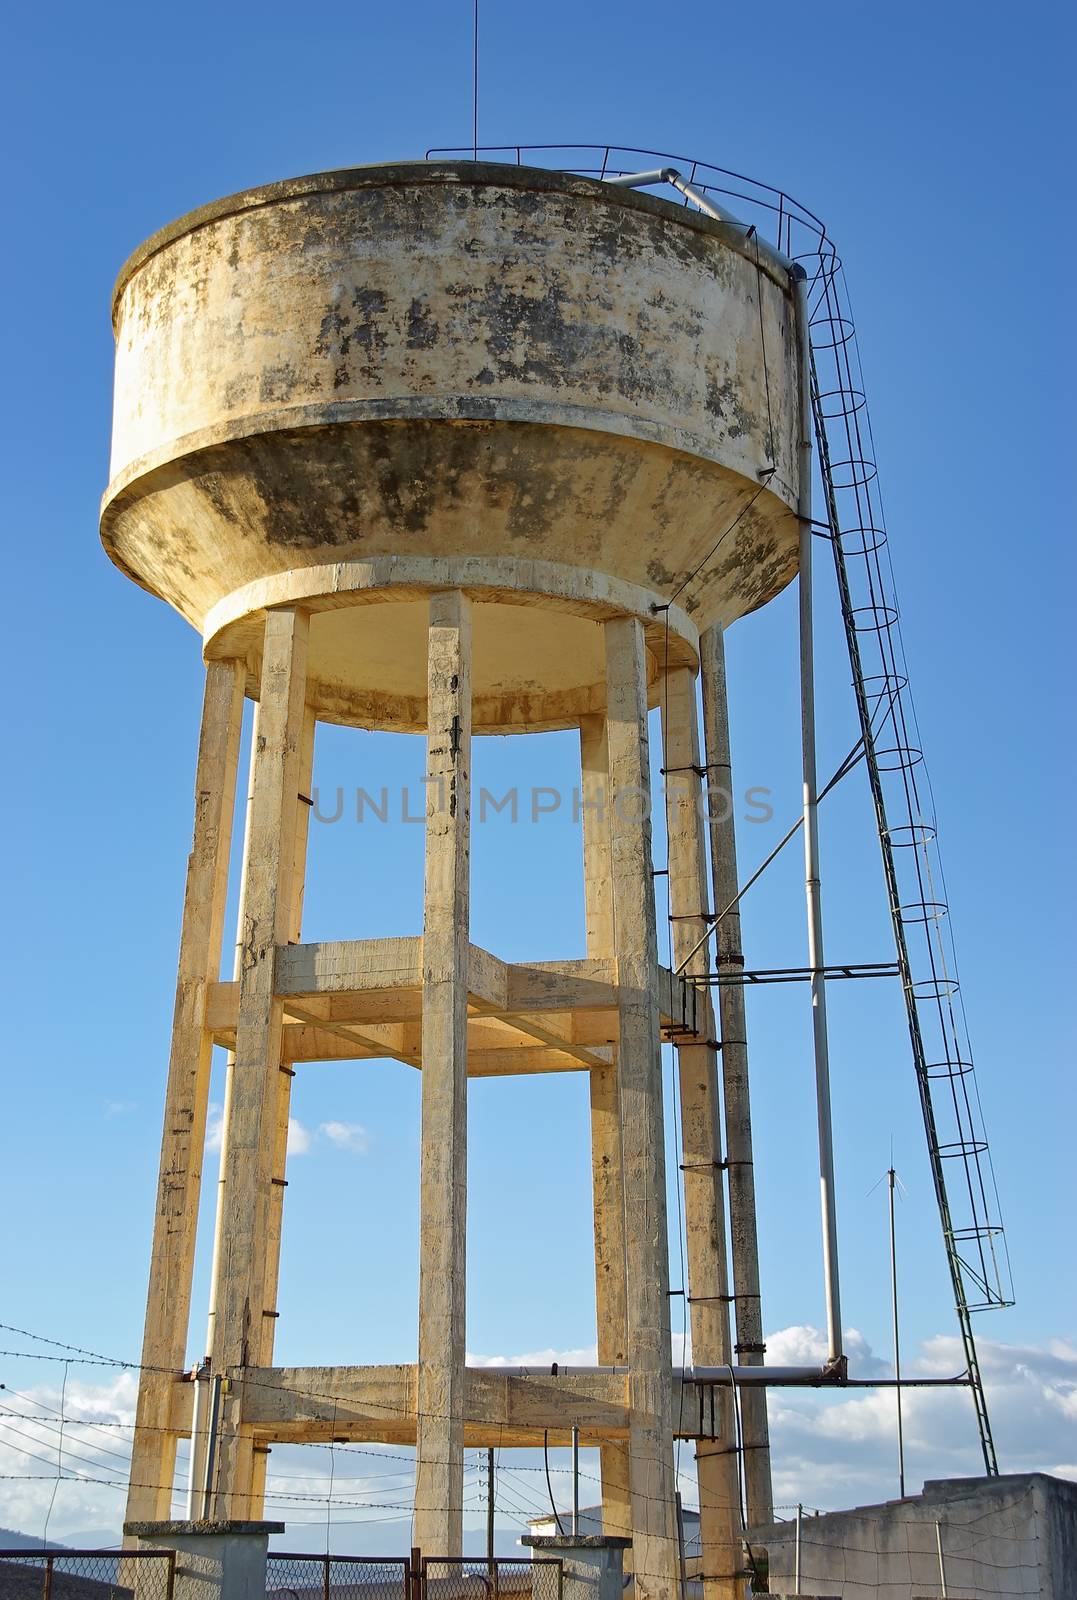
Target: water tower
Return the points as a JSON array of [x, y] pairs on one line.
[[461, 448]]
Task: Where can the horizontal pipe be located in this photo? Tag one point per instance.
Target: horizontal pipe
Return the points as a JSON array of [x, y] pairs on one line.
[[766, 1377], [640, 180], [714, 1377]]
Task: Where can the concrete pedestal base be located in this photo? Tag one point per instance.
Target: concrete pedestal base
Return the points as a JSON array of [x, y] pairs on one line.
[[214, 1560], [593, 1562]]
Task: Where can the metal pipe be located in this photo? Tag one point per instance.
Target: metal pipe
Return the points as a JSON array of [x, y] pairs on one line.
[[682, 1565], [641, 180], [796, 1568], [942, 1561], [490, 1510], [891, 1176], [710, 208], [211, 1444], [811, 844], [198, 1422], [833, 1373], [575, 1480]]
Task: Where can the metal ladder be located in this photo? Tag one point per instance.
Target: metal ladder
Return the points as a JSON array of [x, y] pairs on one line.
[[968, 1207]]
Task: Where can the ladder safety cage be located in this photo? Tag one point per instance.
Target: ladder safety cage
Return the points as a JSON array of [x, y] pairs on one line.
[[855, 525]]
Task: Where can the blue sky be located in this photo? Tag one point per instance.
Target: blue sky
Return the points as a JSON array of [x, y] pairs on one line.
[[932, 140]]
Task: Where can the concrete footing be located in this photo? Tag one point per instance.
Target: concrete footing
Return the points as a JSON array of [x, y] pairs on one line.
[[593, 1562], [214, 1560]]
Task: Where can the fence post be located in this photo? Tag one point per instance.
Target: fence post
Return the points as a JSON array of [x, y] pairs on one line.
[[325, 1576], [48, 1578], [170, 1582], [417, 1576]]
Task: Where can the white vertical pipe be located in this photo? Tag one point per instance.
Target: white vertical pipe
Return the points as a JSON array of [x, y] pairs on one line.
[[211, 1445], [811, 846], [891, 1176], [942, 1561], [199, 1377], [575, 1479], [796, 1566]]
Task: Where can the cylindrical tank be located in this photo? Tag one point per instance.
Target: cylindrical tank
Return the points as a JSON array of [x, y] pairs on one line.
[[351, 388]]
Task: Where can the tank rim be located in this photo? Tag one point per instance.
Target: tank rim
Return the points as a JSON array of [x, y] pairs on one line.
[[376, 174]]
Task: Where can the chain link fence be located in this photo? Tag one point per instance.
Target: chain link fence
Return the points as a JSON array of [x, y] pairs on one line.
[[444, 1578], [311, 1577], [87, 1574]]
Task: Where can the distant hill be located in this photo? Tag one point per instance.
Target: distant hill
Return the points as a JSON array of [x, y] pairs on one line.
[[10, 1540]]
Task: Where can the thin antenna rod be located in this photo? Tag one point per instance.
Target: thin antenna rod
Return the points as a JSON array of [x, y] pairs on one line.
[[475, 82], [891, 1177]]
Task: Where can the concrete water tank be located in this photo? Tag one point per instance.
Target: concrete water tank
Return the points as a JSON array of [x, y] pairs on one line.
[[451, 448], [328, 386]]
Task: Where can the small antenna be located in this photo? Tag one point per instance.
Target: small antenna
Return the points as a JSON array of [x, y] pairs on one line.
[[475, 82]]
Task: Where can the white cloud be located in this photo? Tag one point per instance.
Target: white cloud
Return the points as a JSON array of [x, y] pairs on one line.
[[829, 1450], [839, 1449], [346, 1135], [214, 1129], [299, 1137], [93, 1444], [587, 1356]]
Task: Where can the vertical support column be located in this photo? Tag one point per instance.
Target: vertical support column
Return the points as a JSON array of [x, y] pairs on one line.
[[153, 1455], [251, 1133], [654, 1528], [738, 1112], [439, 1466], [200, 1435], [606, 1177], [278, 1182], [704, 1200]]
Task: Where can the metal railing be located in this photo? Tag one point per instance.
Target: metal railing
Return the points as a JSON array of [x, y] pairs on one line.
[[87, 1574]]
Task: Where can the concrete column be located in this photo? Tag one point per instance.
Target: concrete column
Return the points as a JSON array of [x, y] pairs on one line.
[[654, 1530], [701, 1158], [251, 1134], [593, 1564], [749, 1347], [606, 1177], [439, 1475], [279, 1181], [153, 1455], [222, 1561]]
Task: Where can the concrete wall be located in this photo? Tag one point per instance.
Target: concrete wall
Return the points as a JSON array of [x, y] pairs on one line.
[[1010, 1536]]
